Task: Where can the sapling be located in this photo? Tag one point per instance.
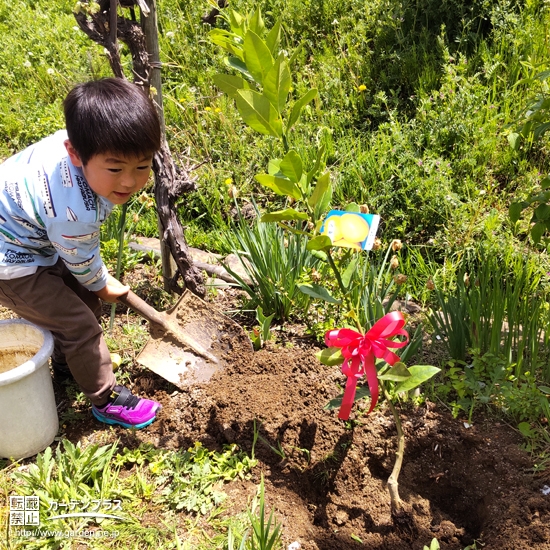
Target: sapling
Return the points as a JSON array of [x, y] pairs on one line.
[[262, 93]]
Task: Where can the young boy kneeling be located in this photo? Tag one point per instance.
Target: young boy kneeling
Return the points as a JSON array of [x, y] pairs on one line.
[[54, 196]]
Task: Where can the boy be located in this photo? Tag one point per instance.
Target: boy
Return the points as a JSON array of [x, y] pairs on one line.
[[54, 196]]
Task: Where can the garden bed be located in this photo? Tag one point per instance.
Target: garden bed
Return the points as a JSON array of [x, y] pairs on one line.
[[326, 479]]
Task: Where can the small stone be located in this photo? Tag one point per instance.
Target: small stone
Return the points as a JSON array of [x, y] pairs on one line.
[[341, 517]]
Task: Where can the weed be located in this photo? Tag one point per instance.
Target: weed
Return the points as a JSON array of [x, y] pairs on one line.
[[261, 334], [265, 535], [191, 480], [278, 450], [490, 381], [305, 452], [70, 415]]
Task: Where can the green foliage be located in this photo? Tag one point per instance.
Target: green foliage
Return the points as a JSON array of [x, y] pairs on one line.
[[110, 253], [117, 230], [73, 473], [499, 306], [191, 479], [540, 218], [39, 67], [489, 381], [408, 105], [275, 263], [260, 335], [266, 535], [434, 545]]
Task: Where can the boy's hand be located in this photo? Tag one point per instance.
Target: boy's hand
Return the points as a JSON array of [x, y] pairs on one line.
[[112, 290]]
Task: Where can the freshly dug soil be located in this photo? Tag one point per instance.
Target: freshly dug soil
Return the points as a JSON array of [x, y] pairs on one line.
[[327, 480]]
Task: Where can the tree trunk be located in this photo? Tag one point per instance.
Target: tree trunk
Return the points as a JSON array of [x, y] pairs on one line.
[[170, 181]]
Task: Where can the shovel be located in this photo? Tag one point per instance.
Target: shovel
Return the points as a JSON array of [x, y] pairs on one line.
[[188, 342]]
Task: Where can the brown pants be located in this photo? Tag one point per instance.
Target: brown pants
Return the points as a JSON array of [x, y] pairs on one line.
[[53, 299]]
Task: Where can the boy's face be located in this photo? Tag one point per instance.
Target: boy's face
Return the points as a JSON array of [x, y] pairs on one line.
[[113, 176]]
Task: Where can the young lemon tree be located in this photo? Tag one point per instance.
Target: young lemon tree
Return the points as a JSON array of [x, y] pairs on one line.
[[261, 86]]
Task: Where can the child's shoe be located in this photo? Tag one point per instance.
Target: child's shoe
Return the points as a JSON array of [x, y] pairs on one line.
[[127, 410]]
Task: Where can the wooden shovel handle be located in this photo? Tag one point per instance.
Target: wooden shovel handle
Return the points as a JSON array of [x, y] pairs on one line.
[[143, 308]]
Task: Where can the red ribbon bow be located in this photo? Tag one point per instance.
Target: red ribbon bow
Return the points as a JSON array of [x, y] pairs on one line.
[[359, 351]]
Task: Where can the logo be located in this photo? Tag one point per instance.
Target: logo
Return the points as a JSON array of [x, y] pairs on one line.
[[25, 513]]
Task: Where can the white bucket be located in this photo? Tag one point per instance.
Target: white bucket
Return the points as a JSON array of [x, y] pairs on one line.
[[29, 420]]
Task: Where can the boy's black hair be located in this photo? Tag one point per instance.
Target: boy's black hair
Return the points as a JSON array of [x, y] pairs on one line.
[[111, 115]]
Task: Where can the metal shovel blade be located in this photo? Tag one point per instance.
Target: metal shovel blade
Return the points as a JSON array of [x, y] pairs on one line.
[[196, 346]]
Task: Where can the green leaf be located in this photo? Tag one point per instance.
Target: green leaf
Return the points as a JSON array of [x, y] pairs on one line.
[[313, 172], [238, 65], [320, 242], [256, 22], [257, 56], [294, 55], [230, 42], [350, 270], [537, 231], [330, 356], [265, 323], [352, 207], [322, 195], [291, 166], [274, 167], [543, 75], [542, 212], [515, 211], [323, 183], [514, 140], [230, 84], [277, 83], [398, 373], [526, 430], [274, 37], [236, 22], [320, 255], [281, 186], [299, 105], [544, 389], [293, 230], [258, 113], [545, 183], [541, 129], [360, 393], [419, 374], [283, 215], [318, 292]]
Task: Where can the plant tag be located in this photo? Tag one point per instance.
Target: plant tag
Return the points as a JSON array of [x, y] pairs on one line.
[[351, 229]]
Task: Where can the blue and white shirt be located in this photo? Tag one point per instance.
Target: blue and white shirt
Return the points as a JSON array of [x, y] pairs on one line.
[[48, 211]]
